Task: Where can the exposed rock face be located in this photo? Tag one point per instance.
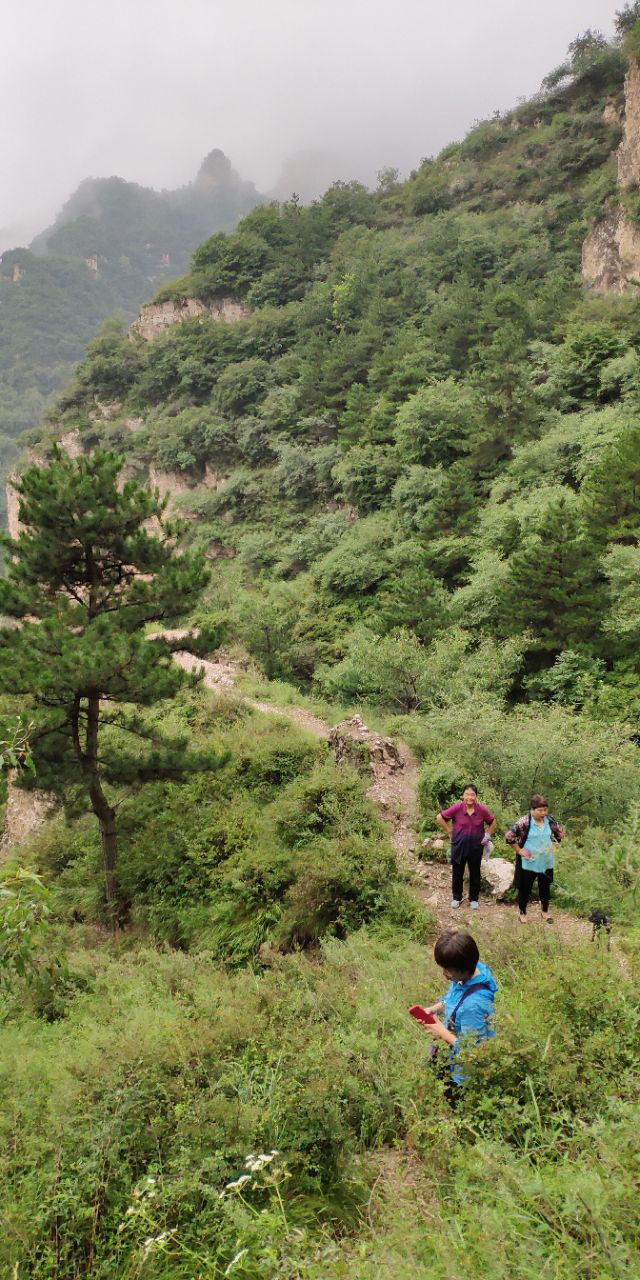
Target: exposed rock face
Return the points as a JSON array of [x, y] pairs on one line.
[[105, 411], [171, 484], [629, 149], [25, 813], [213, 479], [611, 252], [611, 113], [175, 484], [611, 255], [158, 316], [350, 737], [13, 503], [71, 444]]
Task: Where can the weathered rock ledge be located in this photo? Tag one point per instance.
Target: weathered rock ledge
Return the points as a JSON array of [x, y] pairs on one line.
[[155, 317]]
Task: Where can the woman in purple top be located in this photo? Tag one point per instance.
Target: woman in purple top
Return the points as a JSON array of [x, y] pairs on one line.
[[467, 824]]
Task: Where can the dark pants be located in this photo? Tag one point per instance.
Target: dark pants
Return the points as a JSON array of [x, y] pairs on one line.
[[452, 1093], [525, 886], [459, 860]]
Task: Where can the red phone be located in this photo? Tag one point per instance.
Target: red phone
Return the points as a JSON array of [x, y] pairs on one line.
[[420, 1014]]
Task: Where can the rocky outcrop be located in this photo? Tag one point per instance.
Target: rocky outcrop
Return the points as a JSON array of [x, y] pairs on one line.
[[13, 504], [611, 255], [611, 251], [12, 499], [71, 444], [175, 485], [27, 809], [158, 316], [105, 411], [629, 149], [612, 113], [352, 742], [170, 484]]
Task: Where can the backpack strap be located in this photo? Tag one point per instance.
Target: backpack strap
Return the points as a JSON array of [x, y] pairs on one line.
[[478, 986]]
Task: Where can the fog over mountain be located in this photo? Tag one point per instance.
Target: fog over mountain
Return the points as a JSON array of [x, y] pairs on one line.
[[288, 89]]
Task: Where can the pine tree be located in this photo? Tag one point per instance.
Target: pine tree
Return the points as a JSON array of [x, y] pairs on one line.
[[555, 588], [612, 492], [84, 578]]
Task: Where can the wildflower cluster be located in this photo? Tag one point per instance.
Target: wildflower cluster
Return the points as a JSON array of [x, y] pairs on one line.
[[141, 1216], [255, 1162]]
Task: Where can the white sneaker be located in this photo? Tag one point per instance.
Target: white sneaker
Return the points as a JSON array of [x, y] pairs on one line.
[[455, 903], [474, 905]]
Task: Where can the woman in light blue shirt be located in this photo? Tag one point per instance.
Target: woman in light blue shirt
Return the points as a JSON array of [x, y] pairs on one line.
[[538, 859]]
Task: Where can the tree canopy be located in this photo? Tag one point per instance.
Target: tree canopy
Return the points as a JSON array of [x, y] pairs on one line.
[[84, 579]]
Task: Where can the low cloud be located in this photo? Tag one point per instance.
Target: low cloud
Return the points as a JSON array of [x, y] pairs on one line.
[[145, 89]]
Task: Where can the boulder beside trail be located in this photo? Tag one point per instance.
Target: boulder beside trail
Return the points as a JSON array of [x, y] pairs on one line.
[[347, 737], [498, 873]]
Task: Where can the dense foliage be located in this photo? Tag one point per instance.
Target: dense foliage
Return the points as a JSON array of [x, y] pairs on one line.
[[414, 469], [423, 425]]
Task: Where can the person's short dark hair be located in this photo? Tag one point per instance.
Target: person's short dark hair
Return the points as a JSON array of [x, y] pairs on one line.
[[470, 786], [457, 951], [539, 802]]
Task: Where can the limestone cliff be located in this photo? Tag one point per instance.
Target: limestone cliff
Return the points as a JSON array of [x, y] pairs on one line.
[[611, 255], [158, 316], [13, 504], [172, 484], [611, 251], [629, 149], [12, 499]]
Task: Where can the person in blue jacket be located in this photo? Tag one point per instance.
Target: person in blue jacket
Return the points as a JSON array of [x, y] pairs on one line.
[[468, 1005]]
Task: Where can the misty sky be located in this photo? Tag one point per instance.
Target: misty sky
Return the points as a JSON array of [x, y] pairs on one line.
[[144, 88]]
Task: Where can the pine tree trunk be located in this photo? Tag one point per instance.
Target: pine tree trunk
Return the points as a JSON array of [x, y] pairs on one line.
[[106, 816], [104, 812]]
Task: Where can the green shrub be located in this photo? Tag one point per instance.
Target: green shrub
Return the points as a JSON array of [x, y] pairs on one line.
[[441, 783], [329, 802]]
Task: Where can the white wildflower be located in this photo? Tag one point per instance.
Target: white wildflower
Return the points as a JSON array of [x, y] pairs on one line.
[[239, 1256], [256, 1162], [153, 1242], [239, 1182]]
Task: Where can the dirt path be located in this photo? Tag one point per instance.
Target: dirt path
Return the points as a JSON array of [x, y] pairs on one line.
[[222, 675], [394, 790]]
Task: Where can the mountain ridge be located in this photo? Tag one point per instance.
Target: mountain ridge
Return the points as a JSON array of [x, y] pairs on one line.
[[112, 242]]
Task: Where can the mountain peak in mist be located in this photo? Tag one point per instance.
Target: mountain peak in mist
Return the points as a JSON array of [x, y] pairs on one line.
[[216, 168]]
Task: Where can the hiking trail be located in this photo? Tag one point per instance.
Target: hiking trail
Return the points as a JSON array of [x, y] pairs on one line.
[[394, 791]]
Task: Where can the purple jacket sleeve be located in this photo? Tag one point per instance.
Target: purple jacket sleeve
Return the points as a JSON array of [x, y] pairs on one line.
[[449, 813]]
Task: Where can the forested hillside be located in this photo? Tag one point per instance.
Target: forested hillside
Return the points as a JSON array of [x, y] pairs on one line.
[[424, 424], [109, 246], [401, 428]]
